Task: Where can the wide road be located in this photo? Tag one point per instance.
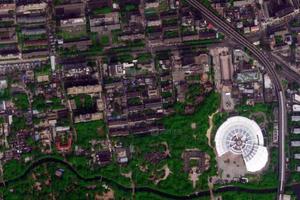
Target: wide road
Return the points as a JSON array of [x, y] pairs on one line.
[[229, 31]]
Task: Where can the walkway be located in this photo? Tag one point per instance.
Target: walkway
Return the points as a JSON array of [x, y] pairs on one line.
[[211, 125]]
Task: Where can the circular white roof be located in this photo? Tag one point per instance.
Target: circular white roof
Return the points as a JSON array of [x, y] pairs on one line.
[[242, 136]]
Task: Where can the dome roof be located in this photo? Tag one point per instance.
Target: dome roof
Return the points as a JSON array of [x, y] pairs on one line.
[[242, 136]]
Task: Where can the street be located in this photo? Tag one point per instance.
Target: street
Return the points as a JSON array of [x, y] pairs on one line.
[[261, 56]]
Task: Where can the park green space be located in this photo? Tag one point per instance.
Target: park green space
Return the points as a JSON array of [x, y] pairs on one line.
[[178, 135], [21, 101], [39, 103], [43, 70], [87, 131], [70, 187], [66, 187]]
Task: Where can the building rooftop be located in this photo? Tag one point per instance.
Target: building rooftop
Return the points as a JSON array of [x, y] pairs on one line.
[[242, 136]]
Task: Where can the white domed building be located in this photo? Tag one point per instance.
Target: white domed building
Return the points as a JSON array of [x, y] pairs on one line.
[[242, 137]]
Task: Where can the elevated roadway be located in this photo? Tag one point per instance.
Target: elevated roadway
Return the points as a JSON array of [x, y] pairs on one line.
[[230, 32], [286, 68]]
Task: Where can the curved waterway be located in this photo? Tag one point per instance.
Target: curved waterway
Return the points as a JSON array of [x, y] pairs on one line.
[[129, 189]]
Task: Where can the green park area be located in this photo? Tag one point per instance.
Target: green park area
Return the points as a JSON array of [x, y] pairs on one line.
[[44, 70], [84, 101], [74, 36], [104, 40], [144, 57], [41, 104], [18, 123], [43, 182], [21, 101], [13, 168], [87, 131], [5, 94], [104, 10], [179, 135]]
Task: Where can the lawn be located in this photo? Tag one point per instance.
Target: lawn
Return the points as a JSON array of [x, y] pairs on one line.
[[34, 37], [246, 110], [170, 22], [58, 2], [87, 131], [134, 101], [115, 35], [44, 70], [13, 168], [278, 39], [171, 34], [144, 57], [130, 7], [72, 36], [104, 40], [5, 94], [21, 101], [104, 10], [125, 57], [2, 120], [295, 22], [39, 103], [83, 101], [18, 123], [56, 103], [194, 90]]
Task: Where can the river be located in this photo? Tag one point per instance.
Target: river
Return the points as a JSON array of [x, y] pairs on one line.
[[129, 189]]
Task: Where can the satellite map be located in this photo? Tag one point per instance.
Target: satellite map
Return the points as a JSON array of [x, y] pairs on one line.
[[150, 99]]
